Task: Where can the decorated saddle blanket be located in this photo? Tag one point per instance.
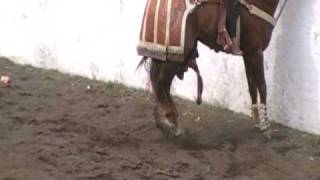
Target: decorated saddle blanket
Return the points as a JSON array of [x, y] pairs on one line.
[[163, 29]]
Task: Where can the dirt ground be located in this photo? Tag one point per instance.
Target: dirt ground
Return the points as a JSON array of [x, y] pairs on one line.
[[53, 127]]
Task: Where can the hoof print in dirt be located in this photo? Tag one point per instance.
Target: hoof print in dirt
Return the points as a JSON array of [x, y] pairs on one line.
[[188, 140]]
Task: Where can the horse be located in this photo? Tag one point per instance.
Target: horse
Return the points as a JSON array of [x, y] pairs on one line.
[[201, 25]]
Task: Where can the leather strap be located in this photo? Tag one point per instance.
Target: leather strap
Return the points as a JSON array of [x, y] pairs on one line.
[[258, 12]]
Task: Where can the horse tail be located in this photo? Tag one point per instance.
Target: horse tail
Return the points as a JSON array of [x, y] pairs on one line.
[[141, 63]]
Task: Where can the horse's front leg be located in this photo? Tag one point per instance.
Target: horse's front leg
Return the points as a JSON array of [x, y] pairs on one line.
[[256, 82], [264, 123], [253, 90]]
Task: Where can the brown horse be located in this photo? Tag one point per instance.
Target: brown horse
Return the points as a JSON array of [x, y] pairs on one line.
[[201, 25]]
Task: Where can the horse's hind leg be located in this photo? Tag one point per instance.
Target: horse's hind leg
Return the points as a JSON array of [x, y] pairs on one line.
[[166, 115]]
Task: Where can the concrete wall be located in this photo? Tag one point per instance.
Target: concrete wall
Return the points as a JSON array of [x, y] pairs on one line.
[[97, 38]]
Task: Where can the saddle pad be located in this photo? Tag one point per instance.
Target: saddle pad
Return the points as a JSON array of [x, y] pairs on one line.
[[162, 34]]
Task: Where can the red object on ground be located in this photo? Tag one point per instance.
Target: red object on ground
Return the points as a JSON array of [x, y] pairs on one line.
[[6, 80]]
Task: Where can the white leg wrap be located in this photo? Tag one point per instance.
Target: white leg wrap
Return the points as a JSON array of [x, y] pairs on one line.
[[255, 113], [259, 115], [264, 123], [255, 106]]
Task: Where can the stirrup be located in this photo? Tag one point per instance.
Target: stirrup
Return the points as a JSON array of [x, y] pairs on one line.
[[224, 40], [235, 50]]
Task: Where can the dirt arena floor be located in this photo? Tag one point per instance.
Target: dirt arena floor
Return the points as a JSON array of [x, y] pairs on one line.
[[52, 127]]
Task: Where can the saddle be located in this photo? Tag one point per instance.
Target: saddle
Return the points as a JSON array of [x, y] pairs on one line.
[[162, 34]]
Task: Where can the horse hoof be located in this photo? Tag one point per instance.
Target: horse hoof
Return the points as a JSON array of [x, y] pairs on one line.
[[168, 129], [268, 133], [180, 132], [263, 126]]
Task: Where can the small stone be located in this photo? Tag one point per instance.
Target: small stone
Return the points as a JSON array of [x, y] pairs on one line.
[[198, 119], [311, 158]]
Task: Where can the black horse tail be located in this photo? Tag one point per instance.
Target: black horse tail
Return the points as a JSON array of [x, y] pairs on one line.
[[141, 63]]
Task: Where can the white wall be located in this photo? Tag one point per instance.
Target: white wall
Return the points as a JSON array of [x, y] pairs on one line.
[[99, 37]]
